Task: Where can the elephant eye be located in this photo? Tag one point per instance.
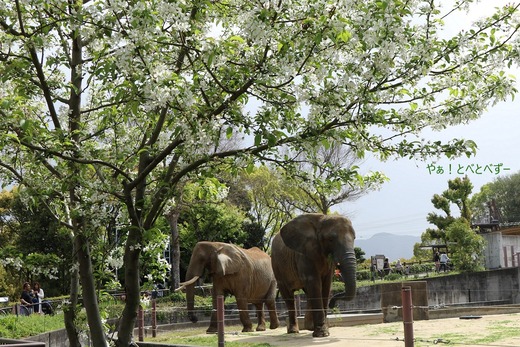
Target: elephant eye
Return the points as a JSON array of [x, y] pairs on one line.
[[331, 237]]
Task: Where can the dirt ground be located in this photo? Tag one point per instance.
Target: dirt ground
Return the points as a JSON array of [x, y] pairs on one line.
[[489, 330]]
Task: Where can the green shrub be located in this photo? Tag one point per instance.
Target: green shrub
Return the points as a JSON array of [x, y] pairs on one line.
[[363, 275], [421, 268], [392, 276]]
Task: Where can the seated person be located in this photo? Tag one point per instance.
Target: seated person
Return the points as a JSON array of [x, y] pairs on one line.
[[26, 297]]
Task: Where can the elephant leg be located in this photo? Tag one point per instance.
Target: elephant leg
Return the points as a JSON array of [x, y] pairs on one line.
[[213, 328], [260, 316], [315, 304], [213, 321], [309, 319], [321, 328], [288, 296], [273, 317], [244, 315]]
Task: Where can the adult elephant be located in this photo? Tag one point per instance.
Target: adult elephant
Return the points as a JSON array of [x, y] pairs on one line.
[[245, 273], [304, 254]]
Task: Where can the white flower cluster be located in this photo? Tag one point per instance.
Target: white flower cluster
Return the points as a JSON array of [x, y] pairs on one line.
[[15, 263]]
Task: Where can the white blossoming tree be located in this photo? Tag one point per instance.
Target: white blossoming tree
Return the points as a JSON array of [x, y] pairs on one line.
[[115, 102]]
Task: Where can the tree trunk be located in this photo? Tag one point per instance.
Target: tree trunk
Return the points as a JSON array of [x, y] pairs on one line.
[[82, 245], [175, 249], [90, 302], [132, 288], [71, 310]]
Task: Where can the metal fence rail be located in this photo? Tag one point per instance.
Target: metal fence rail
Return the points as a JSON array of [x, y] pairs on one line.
[[20, 343]]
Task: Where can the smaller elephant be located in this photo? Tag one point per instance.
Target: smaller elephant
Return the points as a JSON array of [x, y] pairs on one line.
[[245, 273]]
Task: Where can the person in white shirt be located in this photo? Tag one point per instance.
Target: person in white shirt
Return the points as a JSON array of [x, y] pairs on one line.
[[38, 295], [444, 262]]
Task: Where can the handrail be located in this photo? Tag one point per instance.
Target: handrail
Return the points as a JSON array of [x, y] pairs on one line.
[[20, 343]]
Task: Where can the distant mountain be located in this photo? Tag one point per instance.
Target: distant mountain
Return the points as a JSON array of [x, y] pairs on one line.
[[391, 246]]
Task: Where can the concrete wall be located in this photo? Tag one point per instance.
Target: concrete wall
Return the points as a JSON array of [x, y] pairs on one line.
[[57, 338], [494, 252], [499, 286], [512, 245]]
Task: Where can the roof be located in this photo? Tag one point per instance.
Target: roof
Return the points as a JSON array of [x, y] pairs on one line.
[[515, 230]]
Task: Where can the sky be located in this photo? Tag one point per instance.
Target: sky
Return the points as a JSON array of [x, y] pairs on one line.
[[402, 204]]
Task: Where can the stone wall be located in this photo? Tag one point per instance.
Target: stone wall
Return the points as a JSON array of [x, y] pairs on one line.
[[493, 286], [494, 253], [500, 286], [57, 338]]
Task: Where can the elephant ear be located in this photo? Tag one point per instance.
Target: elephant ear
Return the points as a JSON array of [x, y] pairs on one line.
[[301, 233], [228, 259]]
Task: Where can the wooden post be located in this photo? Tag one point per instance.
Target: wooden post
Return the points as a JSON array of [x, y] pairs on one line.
[[140, 323], [220, 320], [154, 318], [297, 306], [406, 296]]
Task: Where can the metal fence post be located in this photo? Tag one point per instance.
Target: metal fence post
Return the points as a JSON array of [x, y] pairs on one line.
[[406, 296], [220, 320], [140, 320], [154, 318]]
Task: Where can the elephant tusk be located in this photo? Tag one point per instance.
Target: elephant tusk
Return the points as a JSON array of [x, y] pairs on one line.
[[187, 283]]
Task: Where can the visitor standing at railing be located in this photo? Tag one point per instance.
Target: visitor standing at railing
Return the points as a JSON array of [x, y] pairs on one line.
[[444, 262], [38, 296]]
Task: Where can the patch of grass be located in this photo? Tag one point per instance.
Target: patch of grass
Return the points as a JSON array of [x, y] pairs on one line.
[[389, 329], [498, 331], [452, 337], [16, 327], [198, 337]]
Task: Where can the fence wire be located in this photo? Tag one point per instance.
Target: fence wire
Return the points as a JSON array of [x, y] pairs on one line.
[[177, 315]]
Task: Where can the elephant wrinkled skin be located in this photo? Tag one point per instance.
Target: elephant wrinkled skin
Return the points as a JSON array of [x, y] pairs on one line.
[[245, 273], [304, 254]]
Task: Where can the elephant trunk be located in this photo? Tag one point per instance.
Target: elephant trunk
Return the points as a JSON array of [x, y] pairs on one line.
[[347, 266]]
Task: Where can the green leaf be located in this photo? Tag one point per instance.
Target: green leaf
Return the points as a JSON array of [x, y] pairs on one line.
[[344, 36], [250, 168], [258, 139], [237, 39], [318, 37], [325, 143], [271, 139], [210, 58]]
